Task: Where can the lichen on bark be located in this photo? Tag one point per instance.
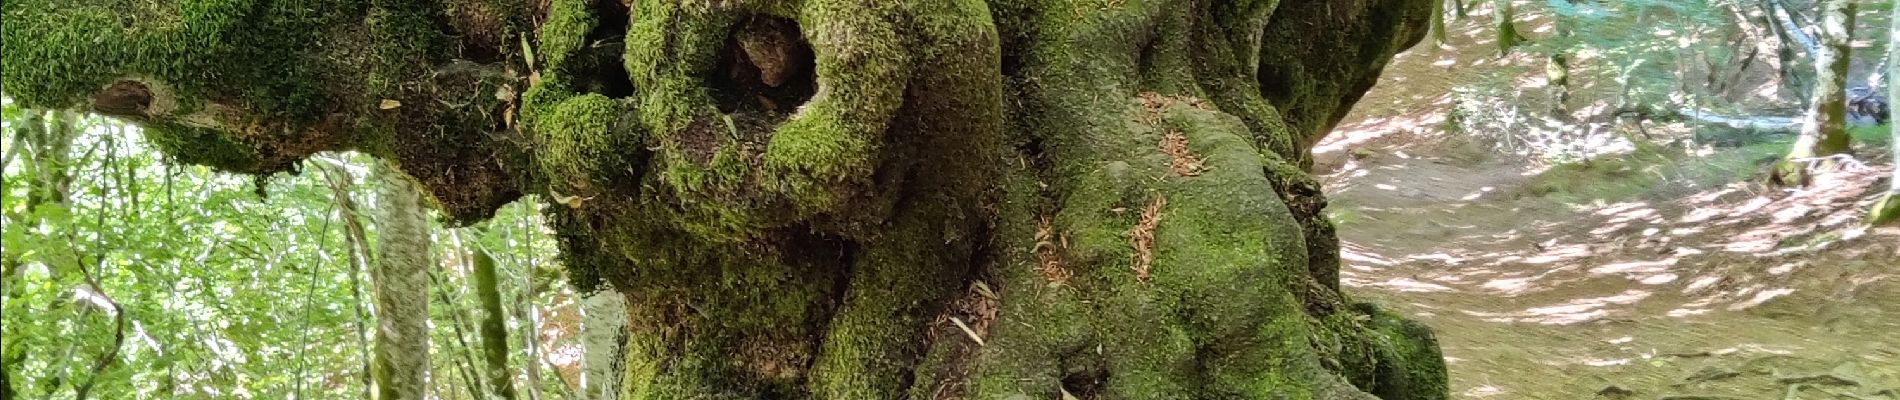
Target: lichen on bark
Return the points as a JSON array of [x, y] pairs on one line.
[[835, 199]]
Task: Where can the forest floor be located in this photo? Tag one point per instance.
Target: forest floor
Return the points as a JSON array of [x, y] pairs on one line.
[[1663, 272], [1679, 290]]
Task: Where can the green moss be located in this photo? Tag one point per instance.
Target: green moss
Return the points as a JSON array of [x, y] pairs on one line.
[[564, 32], [584, 147], [407, 45], [1410, 365], [672, 94], [204, 147], [813, 152], [1886, 210], [541, 100], [202, 48], [749, 330]]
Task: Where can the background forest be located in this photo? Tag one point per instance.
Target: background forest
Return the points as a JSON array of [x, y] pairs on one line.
[[1595, 198], [129, 277]]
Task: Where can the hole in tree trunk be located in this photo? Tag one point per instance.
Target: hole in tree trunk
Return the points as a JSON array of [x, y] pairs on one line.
[[766, 68], [599, 66], [1086, 385], [125, 98]]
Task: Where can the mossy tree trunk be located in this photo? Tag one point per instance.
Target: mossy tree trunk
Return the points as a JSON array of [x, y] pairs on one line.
[[493, 327], [1557, 63], [831, 199], [1504, 16], [401, 278], [1887, 210], [1824, 126], [1438, 23]]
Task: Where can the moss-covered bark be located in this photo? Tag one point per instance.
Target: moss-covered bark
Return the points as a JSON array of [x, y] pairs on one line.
[[1887, 210], [1824, 126], [1504, 16], [494, 329], [401, 276], [834, 199]]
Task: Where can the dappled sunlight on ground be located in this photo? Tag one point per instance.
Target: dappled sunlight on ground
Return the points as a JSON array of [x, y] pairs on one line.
[[1660, 271], [1685, 278]]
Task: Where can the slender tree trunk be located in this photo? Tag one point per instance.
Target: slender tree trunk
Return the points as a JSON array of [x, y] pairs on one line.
[[1793, 41], [401, 277], [458, 323], [356, 239], [494, 327], [604, 343], [530, 320], [1503, 16], [1824, 126], [1438, 22], [1557, 65], [1887, 210]]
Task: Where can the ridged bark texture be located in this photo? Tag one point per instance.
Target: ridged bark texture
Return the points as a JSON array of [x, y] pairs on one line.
[[401, 276]]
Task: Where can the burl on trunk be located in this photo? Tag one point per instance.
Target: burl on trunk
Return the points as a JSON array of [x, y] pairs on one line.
[[831, 199]]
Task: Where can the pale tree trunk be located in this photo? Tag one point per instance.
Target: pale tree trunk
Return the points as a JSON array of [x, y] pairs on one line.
[[604, 344], [1792, 37], [1887, 210], [836, 199], [401, 279], [1824, 126]]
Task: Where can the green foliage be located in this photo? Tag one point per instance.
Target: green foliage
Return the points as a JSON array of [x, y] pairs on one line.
[[226, 293]]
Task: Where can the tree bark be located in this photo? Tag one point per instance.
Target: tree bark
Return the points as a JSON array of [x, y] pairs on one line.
[[604, 343], [493, 326], [1824, 126], [401, 277], [357, 240], [836, 199], [1438, 23], [1503, 15], [1887, 210], [1794, 84]]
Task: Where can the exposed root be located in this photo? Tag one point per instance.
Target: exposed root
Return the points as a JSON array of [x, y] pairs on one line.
[[1799, 172], [1049, 247], [1143, 237], [1185, 162]]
